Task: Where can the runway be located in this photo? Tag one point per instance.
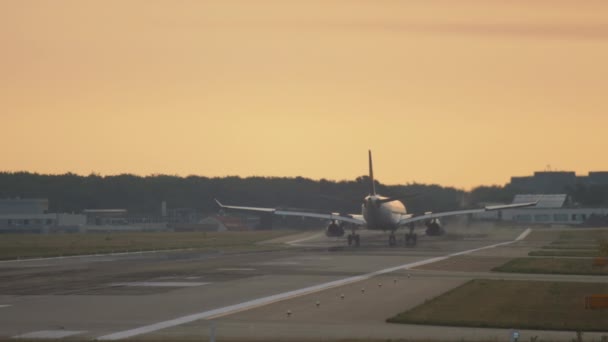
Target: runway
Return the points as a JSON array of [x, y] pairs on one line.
[[176, 295]]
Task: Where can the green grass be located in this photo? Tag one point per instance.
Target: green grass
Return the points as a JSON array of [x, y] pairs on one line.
[[569, 246], [14, 246], [512, 304], [581, 243], [552, 266], [587, 235], [566, 253]]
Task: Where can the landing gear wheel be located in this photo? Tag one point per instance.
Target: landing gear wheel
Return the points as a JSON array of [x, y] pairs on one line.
[[392, 240], [357, 240], [411, 239]]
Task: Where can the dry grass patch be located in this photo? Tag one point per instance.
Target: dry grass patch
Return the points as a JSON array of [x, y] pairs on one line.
[[576, 243], [13, 246], [567, 253], [552, 266], [512, 304], [571, 247]]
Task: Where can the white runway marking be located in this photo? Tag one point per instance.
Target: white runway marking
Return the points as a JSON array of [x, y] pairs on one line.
[[161, 284], [36, 265], [231, 309], [4, 306], [96, 255], [236, 269], [295, 242], [50, 334], [524, 234]]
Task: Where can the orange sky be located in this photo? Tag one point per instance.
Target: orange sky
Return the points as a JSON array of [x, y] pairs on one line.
[[457, 93]]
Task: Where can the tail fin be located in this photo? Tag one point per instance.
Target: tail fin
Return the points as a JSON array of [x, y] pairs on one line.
[[372, 185]]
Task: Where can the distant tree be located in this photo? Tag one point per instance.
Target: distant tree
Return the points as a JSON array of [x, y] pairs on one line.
[[143, 195], [491, 194]]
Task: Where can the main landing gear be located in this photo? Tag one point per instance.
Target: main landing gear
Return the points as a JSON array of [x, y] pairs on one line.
[[353, 239], [392, 239], [411, 238]]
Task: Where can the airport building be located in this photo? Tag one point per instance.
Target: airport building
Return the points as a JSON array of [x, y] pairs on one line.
[[100, 217], [24, 206], [31, 216], [215, 223], [555, 182], [553, 209]]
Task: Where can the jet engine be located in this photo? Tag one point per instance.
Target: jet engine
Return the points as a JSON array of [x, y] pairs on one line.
[[335, 229], [433, 227]]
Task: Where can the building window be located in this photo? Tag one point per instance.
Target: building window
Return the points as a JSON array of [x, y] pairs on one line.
[[9, 222], [542, 218], [573, 217], [26, 222], [49, 222], [523, 218], [560, 217]]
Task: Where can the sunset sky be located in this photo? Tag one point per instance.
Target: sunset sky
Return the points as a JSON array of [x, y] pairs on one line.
[[457, 93]]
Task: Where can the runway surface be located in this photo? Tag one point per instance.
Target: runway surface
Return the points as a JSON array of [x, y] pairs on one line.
[[246, 296]]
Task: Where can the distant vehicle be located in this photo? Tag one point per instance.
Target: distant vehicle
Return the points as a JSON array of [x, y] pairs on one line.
[[378, 213]]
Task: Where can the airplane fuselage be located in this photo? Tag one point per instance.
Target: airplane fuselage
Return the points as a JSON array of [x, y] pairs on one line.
[[382, 216]]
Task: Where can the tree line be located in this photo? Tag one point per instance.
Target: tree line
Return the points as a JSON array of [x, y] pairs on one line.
[[144, 194]]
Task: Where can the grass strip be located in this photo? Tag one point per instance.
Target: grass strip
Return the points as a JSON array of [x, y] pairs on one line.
[[552, 266], [21, 246], [566, 253], [575, 247], [512, 304]]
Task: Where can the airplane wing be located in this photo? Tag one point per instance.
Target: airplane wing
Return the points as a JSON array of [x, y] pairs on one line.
[[354, 219], [429, 216]]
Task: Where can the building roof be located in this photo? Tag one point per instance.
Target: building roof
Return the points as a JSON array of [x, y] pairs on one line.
[[24, 205], [544, 201], [105, 211]]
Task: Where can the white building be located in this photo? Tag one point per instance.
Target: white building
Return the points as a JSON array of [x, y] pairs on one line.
[[550, 209], [30, 215]]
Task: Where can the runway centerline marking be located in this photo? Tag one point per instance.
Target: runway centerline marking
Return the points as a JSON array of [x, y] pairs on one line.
[[4, 306], [100, 255], [231, 309], [50, 334]]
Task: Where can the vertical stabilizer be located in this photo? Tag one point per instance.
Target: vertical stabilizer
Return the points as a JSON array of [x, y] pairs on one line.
[[372, 184]]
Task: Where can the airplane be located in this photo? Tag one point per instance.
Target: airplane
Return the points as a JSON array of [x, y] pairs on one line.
[[377, 213]]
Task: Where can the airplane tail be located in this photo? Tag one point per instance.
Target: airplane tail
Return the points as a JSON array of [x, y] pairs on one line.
[[372, 184]]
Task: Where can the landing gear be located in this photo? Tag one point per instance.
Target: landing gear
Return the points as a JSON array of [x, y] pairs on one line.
[[411, 238], [392, 239], [353, 239]]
